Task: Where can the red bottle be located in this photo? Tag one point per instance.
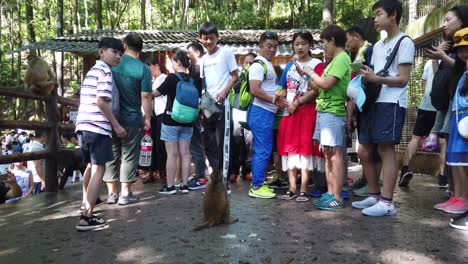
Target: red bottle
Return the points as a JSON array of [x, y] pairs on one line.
[[146, 148]]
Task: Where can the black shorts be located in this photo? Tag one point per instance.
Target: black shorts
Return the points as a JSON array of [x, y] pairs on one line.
[[275, 140], [424, 122], [95, 148]]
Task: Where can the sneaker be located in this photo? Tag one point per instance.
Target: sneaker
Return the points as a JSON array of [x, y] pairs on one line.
[[129, 199], [92, 222], [167, 190], [405, 178], [458, 207], [333, 204], [265, 185], [460, 222], [262, 193], [442, 182], [380, 209], [278, 184], [195, 184], [184, 189], [363, 192], [345, 194], [177, 185], [366, 203], [442, 206], [324, 199], [112, 198], [361, 182]]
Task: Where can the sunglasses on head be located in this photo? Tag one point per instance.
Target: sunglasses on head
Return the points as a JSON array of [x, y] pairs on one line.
[[268, 35], [458, 39]]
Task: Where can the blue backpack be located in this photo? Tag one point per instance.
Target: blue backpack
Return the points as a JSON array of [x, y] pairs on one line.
[[185, 107]]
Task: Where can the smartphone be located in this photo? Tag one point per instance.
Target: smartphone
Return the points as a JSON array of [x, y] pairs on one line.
[[297, 65], [428, 46], [357, 66]]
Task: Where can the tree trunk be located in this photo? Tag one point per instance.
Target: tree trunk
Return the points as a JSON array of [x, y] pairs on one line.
[[174, 23], [267, 13], [184, 16], [1, 27], [98, 14], [205, 7], [77, 16], [149, 12], [259, 7], [412, 10], [60, 54], [327, 13], [143, 14], [30, 21], [85, 7]]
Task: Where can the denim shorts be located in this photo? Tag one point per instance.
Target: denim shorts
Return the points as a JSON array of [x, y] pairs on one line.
[[381, 123], [330, 130], [95, 148], [442, 121], [176, 133]]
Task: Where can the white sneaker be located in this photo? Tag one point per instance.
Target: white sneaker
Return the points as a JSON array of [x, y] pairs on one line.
[[368, 202], [380, 209]]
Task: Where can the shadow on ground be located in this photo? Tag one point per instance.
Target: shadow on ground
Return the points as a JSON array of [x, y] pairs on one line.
[[159, 230]]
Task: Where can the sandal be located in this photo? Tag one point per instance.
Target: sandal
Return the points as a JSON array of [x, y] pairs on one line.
[[288, 196], [303, 197]]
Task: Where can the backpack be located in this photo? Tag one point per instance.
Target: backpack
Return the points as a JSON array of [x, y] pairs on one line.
[[185, 106], [443, 86], [240, 97]]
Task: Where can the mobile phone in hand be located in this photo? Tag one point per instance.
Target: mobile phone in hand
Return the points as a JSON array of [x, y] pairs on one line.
[[357, 66]]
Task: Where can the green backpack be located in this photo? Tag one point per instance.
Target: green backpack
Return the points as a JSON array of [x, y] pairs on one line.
[[239, 96]]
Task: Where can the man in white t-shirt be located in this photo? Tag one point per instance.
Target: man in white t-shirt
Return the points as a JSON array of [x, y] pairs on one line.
[[425, 120], [261, 115], [219, 70], [382, 122]]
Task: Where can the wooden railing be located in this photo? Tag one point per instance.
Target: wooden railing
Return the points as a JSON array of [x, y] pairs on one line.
[[53, 154]]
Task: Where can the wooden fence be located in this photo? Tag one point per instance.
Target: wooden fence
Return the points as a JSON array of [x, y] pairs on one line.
[[53, 154]]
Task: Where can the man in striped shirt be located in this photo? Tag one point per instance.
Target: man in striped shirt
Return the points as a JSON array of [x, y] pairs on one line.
[[94, 125]]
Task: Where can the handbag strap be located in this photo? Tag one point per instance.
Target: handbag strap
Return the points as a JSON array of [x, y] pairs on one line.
[[394, 53]]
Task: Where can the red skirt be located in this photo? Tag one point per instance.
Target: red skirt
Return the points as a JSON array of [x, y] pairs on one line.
[[296, 131]]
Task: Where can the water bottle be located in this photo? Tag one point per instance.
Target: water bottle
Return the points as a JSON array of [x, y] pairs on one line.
[[146, 148]]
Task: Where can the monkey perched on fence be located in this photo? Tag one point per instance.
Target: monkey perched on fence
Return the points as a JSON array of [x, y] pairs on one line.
[[39, 77], [215, 203]]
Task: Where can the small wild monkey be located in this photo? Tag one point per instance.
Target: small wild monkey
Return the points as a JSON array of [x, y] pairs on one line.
[[215, 203], [39, 77]]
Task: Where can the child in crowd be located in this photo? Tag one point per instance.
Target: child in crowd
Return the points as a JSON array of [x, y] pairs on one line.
[[331, 113], [94, 125], [24, 178], [295, 143], [382, 122]]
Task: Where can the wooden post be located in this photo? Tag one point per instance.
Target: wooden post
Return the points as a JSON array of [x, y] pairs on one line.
[[52, 144]]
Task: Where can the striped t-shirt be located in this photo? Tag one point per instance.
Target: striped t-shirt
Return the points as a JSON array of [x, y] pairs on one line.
[[97, 83]]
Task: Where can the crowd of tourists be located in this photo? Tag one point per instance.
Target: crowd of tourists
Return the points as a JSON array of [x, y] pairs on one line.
[[299, 116]]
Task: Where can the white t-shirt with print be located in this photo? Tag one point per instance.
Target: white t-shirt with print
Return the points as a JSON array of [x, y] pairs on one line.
[[405, 55], [216, 69], [33, 147], [269, 84], [160, 101]]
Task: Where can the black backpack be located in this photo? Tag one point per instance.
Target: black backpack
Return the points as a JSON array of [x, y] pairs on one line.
[[444, 85]]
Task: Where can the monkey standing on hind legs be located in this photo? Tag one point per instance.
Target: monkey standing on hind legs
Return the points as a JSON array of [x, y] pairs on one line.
[[215, 203], [39, 77]]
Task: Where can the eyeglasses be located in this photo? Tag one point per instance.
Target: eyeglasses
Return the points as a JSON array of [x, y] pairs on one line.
[[268, 35], [458, 39]]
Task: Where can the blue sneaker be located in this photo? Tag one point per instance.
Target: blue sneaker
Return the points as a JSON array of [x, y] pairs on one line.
[[316, 193], [326, 198], [333, 204]]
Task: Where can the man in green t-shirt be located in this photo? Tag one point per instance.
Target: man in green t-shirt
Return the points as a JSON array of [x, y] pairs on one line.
[[331, 113], [132, 79]]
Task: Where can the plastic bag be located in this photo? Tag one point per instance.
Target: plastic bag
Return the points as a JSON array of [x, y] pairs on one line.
[[430, 143]]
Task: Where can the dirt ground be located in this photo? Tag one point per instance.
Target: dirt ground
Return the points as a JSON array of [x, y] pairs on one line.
[[158, 229]]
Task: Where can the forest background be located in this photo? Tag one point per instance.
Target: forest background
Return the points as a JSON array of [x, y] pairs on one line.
[[27, 21]]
